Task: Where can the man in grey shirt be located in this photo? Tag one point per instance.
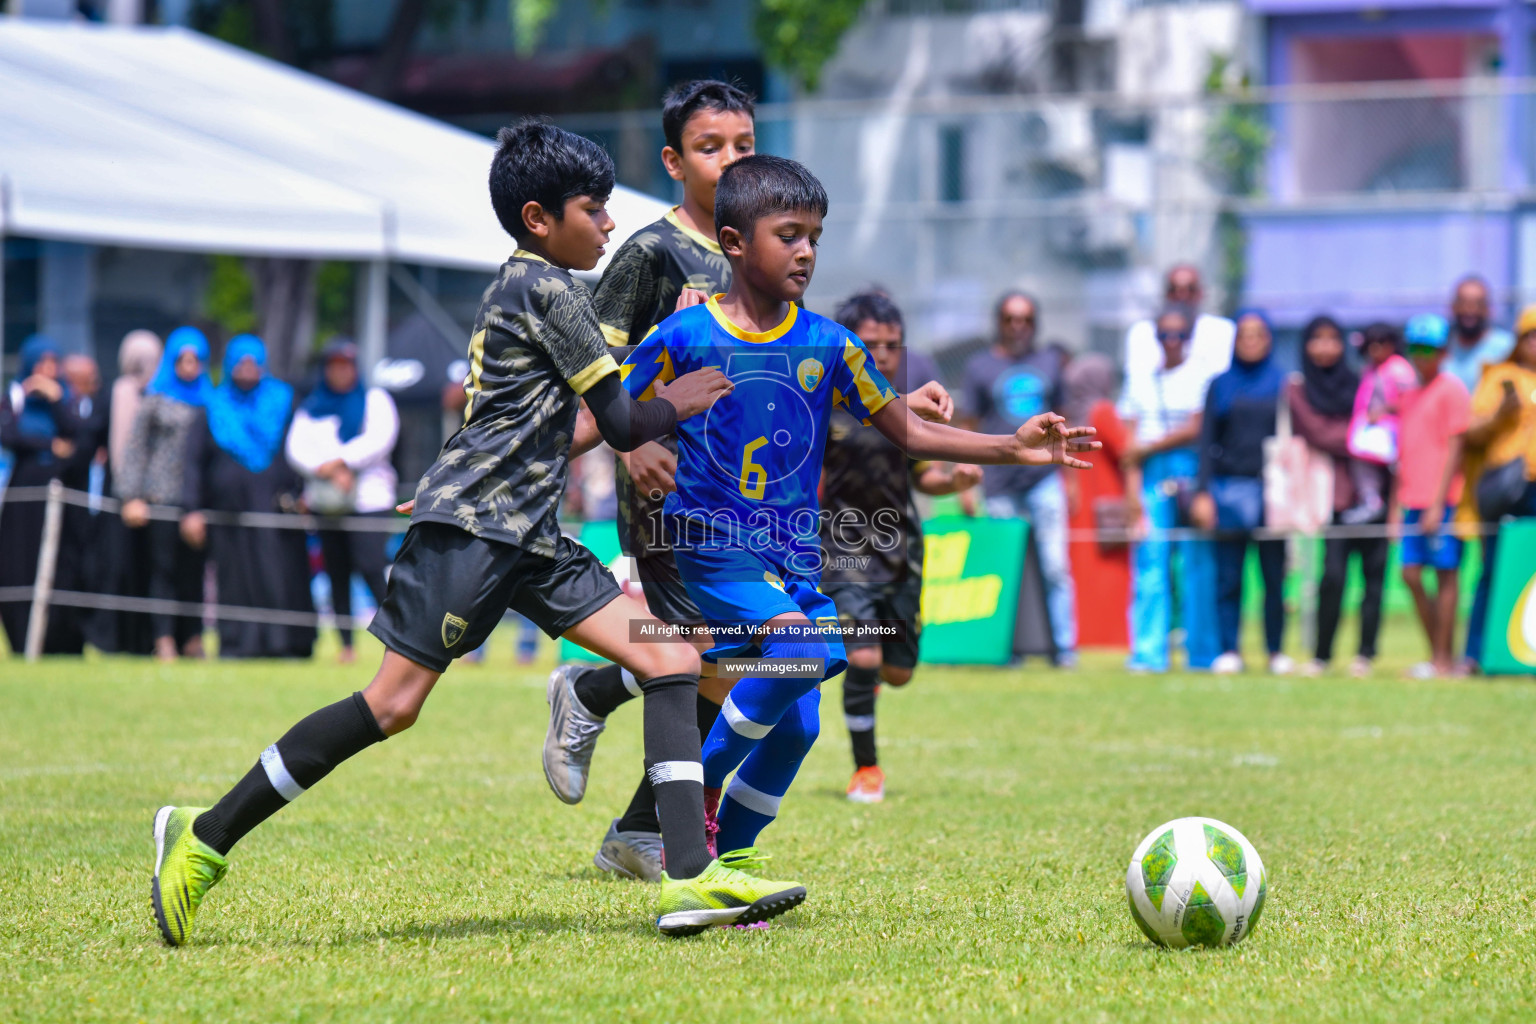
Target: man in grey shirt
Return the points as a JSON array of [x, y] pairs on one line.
[[1004, 386]]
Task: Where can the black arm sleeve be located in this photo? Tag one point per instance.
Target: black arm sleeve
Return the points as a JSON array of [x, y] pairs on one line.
[[625, 423]]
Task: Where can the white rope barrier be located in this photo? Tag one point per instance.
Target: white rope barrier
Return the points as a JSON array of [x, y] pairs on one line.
[[261, 520]]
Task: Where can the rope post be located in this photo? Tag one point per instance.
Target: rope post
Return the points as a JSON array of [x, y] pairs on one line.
[[47, 562]]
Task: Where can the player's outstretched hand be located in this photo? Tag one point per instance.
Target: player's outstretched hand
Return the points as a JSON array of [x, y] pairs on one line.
[[1047, 440], [405, 508], [932, 402], [690, 297], [692, 393]]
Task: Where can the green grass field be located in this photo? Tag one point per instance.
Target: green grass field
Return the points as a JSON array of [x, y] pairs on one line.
[[435, 878]]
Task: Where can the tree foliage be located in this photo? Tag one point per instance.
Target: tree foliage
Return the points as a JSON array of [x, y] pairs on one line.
[[799, 36]]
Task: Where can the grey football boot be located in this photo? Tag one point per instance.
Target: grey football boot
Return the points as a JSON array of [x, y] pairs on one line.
[[572, 735], [634, 855]]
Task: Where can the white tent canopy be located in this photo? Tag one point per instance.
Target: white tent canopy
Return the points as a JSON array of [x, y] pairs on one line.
[[163, 138]]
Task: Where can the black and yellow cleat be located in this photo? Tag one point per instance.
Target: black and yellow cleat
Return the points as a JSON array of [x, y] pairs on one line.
[[724, 894]]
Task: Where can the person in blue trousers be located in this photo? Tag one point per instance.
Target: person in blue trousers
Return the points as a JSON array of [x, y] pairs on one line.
[[1163, 409]]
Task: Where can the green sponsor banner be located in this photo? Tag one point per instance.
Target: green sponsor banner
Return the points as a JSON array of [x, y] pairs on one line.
[[1509, 640], [602, 539], [972, 570]]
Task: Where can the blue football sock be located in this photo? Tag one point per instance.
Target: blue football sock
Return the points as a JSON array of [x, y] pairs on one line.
[[752, 800], [754, 707]]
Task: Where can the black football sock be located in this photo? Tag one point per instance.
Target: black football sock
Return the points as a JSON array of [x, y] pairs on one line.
[[859, 688], [305, 755], [640, 816], [641, 813], [601, 690], [673, 761]]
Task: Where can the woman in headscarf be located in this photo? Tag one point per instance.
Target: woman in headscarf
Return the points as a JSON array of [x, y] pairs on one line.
[[122, 555], [234, 464], [151, 472], [38, 425], [1241, 408], [1163, 408], [342, 439], [1101, 570], [1322, 400]]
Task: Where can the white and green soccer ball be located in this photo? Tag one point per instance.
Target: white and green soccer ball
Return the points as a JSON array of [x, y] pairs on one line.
[[1195, 882]]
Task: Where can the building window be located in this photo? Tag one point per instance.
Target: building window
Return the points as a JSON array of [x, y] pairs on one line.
[[952, 163]]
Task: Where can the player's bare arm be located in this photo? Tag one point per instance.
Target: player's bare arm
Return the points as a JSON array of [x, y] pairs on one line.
[[1043, 440], [689, 395], [938, 481], [932, 402]]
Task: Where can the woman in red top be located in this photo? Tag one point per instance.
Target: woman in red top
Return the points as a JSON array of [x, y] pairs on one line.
[[1102, 571]]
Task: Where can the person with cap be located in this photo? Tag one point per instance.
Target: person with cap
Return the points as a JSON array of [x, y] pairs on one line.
[[1431, 431], [342, 439], [1501, 434]]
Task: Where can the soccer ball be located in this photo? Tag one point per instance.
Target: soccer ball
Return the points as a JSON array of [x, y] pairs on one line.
[[1195, 882]]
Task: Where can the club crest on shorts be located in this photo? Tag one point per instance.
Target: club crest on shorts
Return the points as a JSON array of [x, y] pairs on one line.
[[809, 373], [453, 629], [774, 581]]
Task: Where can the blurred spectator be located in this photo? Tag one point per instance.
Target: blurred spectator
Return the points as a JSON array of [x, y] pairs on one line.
[[38, 423], [1163, 410], [84, 471], [1435, 419], [1373, 424], [232, 465], [122, 555], [1004, 386], [1503, 430], [1241, 408], [1322, 402], [1475, 342], [1210, 344], [342, 438], [1101, 571], [153, 473]]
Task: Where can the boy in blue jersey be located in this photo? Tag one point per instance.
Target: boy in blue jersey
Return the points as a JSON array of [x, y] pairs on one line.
[[744, 520]]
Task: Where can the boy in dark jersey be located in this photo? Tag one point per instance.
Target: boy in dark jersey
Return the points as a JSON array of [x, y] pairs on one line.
[[484, 538], [872, 538], [669, 265]]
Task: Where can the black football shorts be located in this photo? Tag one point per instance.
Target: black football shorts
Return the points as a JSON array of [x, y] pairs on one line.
[[449, 589]]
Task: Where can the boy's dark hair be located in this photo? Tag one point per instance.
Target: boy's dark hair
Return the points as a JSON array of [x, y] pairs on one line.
[[759, 186], [685, 99], [871, 304], [537, 162], [1382, 333]]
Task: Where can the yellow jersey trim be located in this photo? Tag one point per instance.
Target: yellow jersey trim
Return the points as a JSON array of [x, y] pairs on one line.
[[476, 367], [870, 395], [752, 337], [614, 336], [593, 372], [524, 254], [698, 236]]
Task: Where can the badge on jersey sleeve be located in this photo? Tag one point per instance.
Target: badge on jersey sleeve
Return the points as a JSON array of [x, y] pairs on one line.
[[809, 373]]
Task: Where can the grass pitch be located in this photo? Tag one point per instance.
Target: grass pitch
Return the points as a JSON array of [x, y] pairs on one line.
[[435, 877]]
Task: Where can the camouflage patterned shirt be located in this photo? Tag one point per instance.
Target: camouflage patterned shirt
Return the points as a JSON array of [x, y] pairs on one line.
[[638, 291], [536, 347]]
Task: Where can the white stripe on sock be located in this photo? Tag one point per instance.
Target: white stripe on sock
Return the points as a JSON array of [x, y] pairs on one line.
[[860, 723], [675, 771], [753, 799], [740, 724], [630, 682], [277, 774]]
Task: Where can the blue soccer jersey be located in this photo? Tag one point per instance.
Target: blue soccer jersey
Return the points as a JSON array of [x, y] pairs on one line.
[[748, 469]]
